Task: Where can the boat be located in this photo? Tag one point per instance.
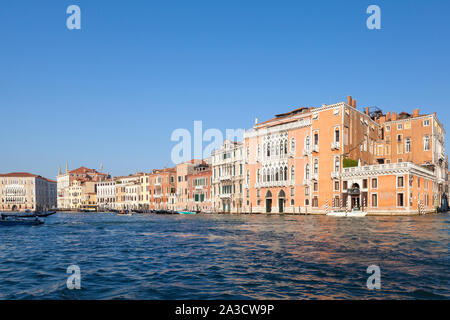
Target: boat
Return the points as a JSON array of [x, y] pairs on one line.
[[45, 214], [187, 212], [28, 214], [124, 213], [9, 220], [347, 214]]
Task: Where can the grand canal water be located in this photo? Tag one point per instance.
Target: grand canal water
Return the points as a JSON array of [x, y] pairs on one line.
[[226, 257]]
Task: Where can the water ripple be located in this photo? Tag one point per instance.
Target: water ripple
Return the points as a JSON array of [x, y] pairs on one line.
[[226, 257]]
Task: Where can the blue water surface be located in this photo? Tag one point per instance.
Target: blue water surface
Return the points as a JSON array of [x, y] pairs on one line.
[[226, 257]]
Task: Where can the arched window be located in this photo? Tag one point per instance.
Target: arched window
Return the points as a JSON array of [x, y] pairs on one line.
[[268, 149], [337, 164], [316, 166], [292, 173], [292, 145], [277, 147], [258, 176], [276, 174], [307, 142], [264, 175], [307, 172]]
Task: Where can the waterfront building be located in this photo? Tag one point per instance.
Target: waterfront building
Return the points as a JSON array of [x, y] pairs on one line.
[[21, 191], [335, 157], [163, 189], [106, 194], [82, 195], [227, 177], [183, 170], [199, 188], [127, 191], [65, 180], [144, 191]]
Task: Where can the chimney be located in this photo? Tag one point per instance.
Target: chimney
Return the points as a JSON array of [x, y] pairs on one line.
[[350, 100], [367, 110], [394, 116], [354, 104], [388, 116], [415, 113]]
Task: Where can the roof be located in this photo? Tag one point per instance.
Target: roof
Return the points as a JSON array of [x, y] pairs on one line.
[[19, 175], [24, 175], [286, 116], [83, 170]]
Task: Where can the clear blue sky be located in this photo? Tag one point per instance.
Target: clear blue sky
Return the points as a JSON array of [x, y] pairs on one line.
[[114, 91]]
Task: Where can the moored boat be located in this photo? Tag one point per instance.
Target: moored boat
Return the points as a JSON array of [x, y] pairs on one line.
[[187, 212], [347, 214]]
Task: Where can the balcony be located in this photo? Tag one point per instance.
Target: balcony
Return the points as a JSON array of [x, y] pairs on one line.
[[225, 177], [315, 177], [157, 196], [316, 148], [335, 145], [198, 187], [335, 175], [225, 196], [305, 182]]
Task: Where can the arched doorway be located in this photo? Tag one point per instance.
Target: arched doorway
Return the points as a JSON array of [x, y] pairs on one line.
[[268, 201], [281, 201], [355, 196], [14, 208]]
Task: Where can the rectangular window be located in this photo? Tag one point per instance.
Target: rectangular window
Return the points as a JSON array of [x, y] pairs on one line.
[[316, 186], [336, 186], [364, 183], [374, 183], [426, 143], [306, 191], [316, 139], [399, 126], [407, 145], [374, 200], [399, 182], [400, 199], [426, 123], [336, 136], [344, 185], [388, 128], [315, 202]]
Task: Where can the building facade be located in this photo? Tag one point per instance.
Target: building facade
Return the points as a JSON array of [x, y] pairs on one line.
[[199, 188], [20, 191], [68, 193], [312, 160], [227, 176]]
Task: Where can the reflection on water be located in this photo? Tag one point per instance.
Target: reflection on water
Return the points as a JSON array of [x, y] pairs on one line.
[[226, 257]]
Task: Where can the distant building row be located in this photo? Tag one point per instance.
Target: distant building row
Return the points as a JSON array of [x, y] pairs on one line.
[[309, 160]]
